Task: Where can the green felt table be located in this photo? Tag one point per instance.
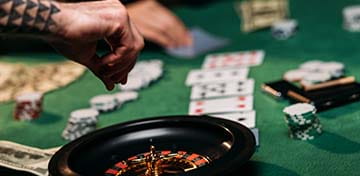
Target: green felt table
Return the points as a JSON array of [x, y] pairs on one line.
[[321, 36]]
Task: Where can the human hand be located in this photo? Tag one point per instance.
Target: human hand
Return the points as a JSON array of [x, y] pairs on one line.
[[158, 24], [79, 26]]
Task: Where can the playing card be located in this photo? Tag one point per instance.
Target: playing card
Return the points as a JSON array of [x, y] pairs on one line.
[[216, 75], [202, 42], [246, 118], [232, 104], [222, 89], [234, 59]]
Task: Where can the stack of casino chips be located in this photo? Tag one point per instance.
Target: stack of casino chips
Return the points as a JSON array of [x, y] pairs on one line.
[[28, 106], [104, 103], [80, 123], [284, 29], [315, 71], [302, 121]]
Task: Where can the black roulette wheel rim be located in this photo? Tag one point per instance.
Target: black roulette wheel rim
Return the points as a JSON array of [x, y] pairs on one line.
[[228, 144]]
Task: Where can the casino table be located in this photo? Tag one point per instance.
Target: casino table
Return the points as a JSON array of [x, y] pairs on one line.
[[320, 36]]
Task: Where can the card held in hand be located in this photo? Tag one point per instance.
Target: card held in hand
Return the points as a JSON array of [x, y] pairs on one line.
[[203, 42]]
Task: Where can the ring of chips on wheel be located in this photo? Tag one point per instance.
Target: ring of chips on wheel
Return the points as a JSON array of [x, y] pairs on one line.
[[162, 146]]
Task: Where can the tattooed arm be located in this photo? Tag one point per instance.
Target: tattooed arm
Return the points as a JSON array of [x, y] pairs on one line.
[[27, 16], [74, 29]]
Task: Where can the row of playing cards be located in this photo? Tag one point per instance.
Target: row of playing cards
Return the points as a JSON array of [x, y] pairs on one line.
[[222, 88]]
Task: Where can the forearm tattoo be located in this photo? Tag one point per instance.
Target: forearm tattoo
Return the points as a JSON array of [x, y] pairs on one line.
[[27, 16]]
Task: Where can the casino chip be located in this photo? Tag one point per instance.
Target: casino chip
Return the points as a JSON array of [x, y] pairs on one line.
[[335, 69], [284, 29], [315, 78], [143, 74], [302, 121], [81, 122], [175, 145], [103, 103], [28, 106], [295, 75], [124, 97], [313, 65]]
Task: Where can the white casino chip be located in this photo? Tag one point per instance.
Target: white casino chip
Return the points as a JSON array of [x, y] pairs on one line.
[[84, 114], [335, 69], [123, 97], [103, 103], [133, 83], [313, 65], [317, 77], [299, 109], [295, 75]]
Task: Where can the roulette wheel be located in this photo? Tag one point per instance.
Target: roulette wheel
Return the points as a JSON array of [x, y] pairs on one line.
[[162, 146]]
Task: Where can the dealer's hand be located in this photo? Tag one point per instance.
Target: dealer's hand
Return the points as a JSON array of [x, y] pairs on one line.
[[158, 24], [81, 25]]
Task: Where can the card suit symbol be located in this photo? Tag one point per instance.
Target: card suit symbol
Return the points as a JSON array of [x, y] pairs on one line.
[[240, 90], [200, 76], [198, 111], [203, 94], [241, 106], [199, 103], [234, 73], [242, 98], [240, 83], [223, 85], [241, 119], [217, 74], [228, 58]]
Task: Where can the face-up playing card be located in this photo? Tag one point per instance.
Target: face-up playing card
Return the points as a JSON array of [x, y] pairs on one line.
[[222, 89], [234, 59], [202, 42], [216, 75], [246, 118], [232, 104]]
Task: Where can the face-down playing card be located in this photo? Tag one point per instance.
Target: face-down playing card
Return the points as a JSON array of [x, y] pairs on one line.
[[203, 42], [222, 89]]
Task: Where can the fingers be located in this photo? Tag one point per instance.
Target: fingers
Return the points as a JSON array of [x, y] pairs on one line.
[[97, 69], [123, 68], [172, 26], [158, 37]]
